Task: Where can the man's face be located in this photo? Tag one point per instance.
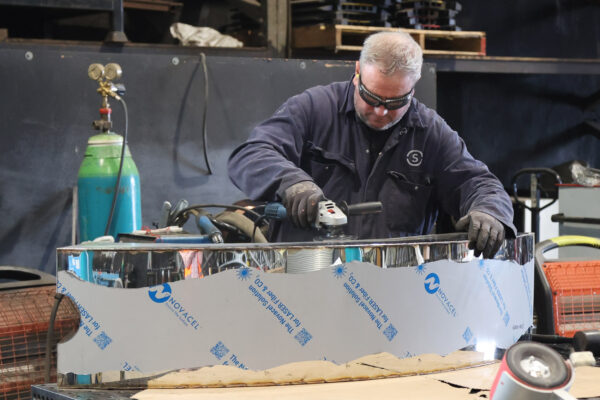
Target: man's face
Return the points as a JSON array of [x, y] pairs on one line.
[[384, 87]]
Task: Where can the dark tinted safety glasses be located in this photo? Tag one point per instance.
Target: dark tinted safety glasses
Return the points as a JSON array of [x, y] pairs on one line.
[[375, 101]]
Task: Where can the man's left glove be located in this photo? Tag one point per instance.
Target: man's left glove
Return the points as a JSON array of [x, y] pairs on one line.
[[486, 233], [301, 200]]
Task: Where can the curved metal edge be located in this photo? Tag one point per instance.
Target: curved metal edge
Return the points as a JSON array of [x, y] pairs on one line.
[[24, 277]]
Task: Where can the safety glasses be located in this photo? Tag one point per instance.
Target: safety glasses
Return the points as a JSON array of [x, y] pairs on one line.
[[375, 101]]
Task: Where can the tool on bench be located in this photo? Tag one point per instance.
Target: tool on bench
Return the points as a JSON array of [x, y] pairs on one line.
[[331, 218], [532, 371]]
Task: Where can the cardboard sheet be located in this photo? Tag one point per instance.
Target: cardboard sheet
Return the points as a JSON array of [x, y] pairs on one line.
[[587, 382], [414, 388], [474, 383], [374, 366], [481, 377]]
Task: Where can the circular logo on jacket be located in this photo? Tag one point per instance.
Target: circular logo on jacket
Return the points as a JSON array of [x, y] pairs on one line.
[[414, 157]]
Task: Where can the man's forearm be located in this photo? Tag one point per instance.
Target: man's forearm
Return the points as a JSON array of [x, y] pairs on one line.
[[262, 172]]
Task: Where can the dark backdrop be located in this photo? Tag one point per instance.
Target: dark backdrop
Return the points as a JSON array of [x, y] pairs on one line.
[[513, 121], [508, 120], [48, 104], [535, 28]]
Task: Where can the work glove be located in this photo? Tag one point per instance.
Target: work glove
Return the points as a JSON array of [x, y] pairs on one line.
[[486, 233], [301, 201]]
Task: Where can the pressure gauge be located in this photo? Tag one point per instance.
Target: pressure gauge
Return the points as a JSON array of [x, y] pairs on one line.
[[112, 71], [95, 71]]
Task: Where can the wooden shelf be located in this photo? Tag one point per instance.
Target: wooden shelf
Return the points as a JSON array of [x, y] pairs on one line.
[[350, 38]]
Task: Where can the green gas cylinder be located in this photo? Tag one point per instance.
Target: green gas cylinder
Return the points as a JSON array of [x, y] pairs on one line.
[[96, 185]]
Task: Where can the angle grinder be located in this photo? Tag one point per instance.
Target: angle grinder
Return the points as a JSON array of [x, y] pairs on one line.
[[331, 218]]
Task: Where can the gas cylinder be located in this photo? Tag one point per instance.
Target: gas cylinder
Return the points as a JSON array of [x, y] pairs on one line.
[[99, 170], [96, 185]]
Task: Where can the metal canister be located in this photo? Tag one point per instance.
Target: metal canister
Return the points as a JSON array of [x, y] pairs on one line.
[[96, 185]]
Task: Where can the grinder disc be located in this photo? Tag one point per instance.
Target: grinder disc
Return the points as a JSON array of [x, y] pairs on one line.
[[537, 365]]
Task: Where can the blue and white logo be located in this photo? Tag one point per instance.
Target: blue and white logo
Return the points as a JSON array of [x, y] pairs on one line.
[[102, 340], [303, 337], [160, 293], [432, 283], [467, 335], [432, 286], [219, 350], [244, 274], [390, 332], [339, 271]]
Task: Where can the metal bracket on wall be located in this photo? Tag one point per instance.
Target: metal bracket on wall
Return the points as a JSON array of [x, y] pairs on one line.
[[516, 65]]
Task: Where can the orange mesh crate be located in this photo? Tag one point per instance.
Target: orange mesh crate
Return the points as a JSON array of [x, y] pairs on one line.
[[575, 289], [24, 319]]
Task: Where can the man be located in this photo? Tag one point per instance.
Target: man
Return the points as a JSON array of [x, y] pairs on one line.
[[369, 139]]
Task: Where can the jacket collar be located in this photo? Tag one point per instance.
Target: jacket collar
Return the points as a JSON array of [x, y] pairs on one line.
[[348, 104], [413, 117]]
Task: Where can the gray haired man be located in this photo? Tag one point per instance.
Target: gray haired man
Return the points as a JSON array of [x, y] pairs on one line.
[[370, 139]]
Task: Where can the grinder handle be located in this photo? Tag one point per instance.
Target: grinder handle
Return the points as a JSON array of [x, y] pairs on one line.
[[277, 210], [369, 207]]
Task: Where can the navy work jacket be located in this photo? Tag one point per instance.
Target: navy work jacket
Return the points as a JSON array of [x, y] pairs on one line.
[[424, 165]]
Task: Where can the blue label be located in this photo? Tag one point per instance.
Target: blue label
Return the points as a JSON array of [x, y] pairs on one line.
[[496, 294], [220, 351], [273, 304], [467, 335], [87, 323], [244, 274], [102, 340], [127, 367], [433, 286], [303, 337], [160, 294], [527, 287], [432, 283], [339, 271], [390, 332], [363, 299]]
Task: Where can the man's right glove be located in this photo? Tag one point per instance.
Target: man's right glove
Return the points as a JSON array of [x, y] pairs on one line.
[[301, 201], [486, 233]]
